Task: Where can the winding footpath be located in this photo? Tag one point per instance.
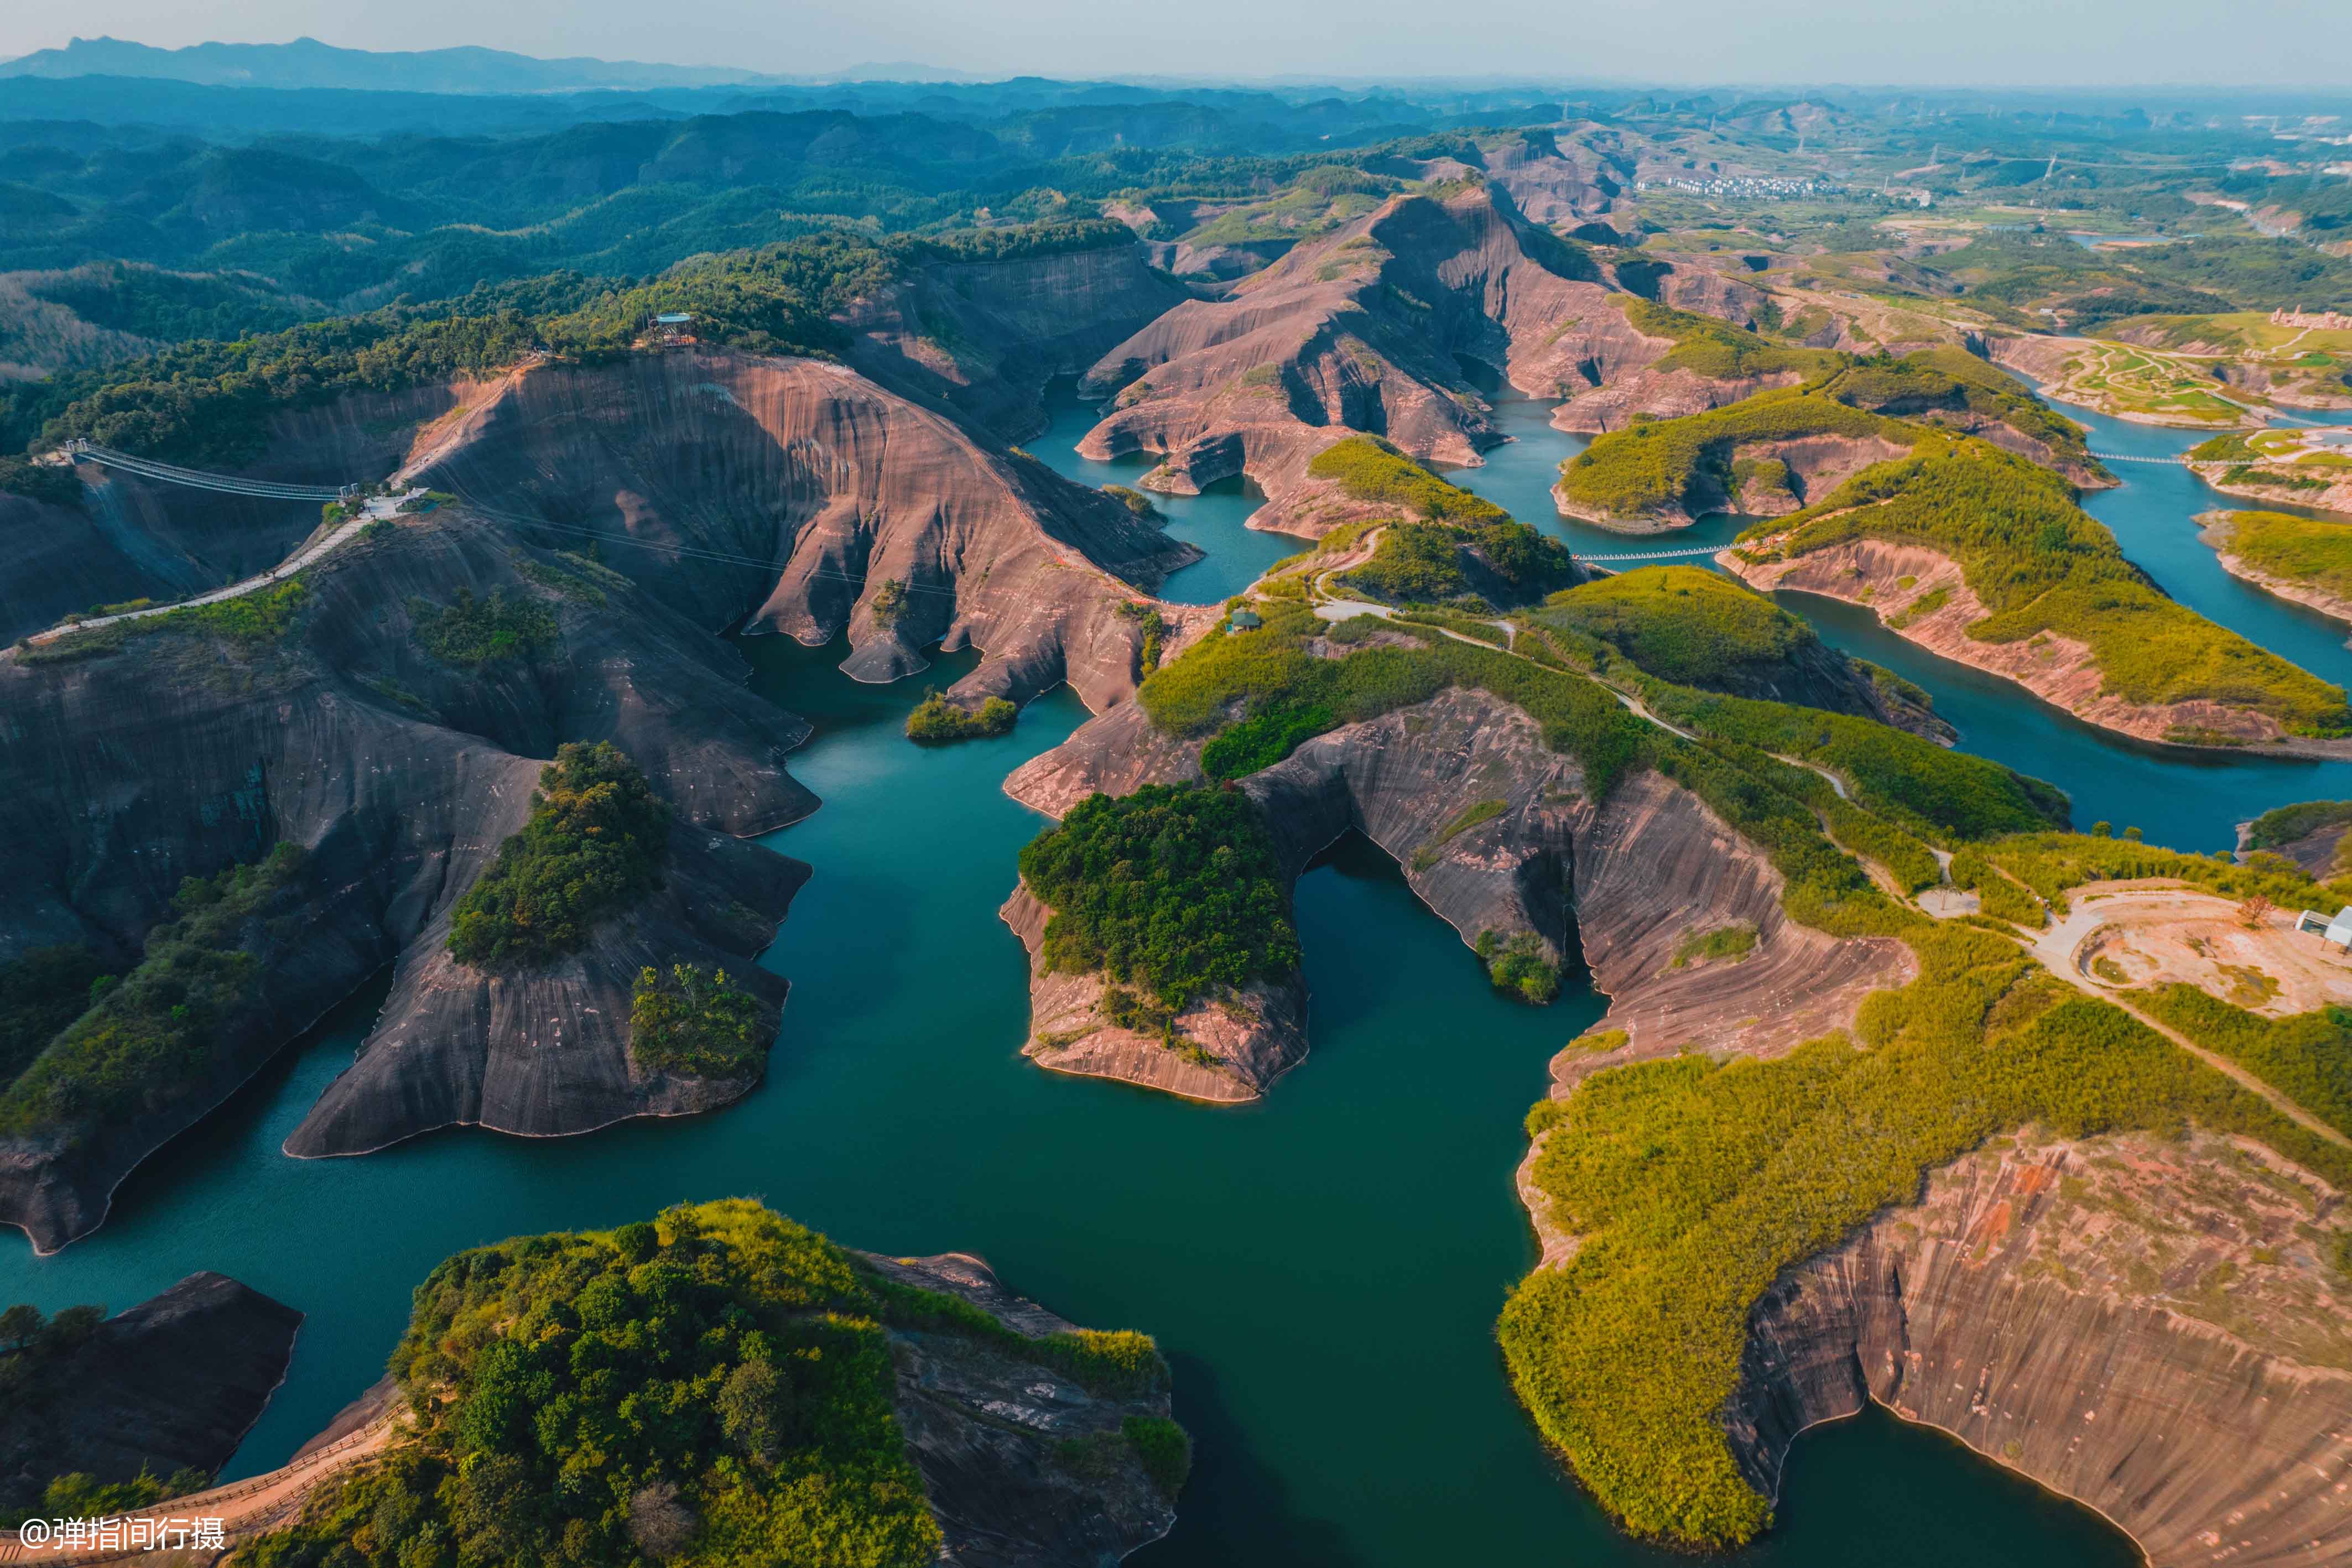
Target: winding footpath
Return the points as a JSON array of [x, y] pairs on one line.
[[242, 1509], [381, 509], [2058, 946]]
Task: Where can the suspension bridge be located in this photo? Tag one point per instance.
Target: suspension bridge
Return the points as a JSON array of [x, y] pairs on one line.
[[197, 478], [2119, 458], [318, 545], [1607, 556]]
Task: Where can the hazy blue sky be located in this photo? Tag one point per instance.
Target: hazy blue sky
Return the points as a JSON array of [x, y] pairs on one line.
[[2026, 42]]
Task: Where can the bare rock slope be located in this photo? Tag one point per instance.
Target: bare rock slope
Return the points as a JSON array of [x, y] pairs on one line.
[[173, 1384], [1365, 328], [985, 1424], [2140, 1324], [714, 488], [1631, 879]]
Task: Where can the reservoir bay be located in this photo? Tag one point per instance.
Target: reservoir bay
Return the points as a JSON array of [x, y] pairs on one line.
[[1323, 1268]]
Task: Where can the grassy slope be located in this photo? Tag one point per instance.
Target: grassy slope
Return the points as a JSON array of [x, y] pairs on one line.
[[2040, 564], [2304, 550], [1454, 534], [1681, 624]]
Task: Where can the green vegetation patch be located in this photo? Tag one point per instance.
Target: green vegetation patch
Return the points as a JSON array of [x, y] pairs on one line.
[[208, 402], [1175, 890], [1134, 500], [2285, 824], [1720, 351], [1368, 470], [1950, 379], [1424, 563], [594, 846], [1518, 966], [575, 577], [1462, 821], [2306, 1057], [2306, 550], [2040, 564], [1414, 564], [144, 1043], [1273, 731], [712, 1389], [1198, 692], [2231, 447], [41, 991], [937, 719], [1693, 1183], [248, 624], [1657, 464], [1682, 623], [471, 633], [51, 484], [1724, 942], [691, 1020]]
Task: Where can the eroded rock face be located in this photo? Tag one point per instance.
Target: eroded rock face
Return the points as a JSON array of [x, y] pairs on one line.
[[1632, 879], [131, 538], [838, 487], [543, 1050], [984, 1427], [982, 339], [400, 774], [2144, 1324], [174, 1383], [1362, 329], [1921, 596]]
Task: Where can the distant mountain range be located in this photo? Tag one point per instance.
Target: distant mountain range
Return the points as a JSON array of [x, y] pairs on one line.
[[308, 63]]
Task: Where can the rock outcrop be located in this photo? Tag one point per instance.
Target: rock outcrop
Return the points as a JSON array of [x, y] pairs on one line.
[[714, 487], [543, 1051], [983, 338], [986, 1427], [1631, 878], [171, 1384], [1364, 329], [2151, 1326]]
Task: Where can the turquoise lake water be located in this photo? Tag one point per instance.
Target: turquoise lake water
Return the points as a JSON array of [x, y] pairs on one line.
[[1324, 1268], [2188, 800]]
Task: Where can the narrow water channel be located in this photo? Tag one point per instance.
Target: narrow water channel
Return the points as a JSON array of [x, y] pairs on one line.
[[1215, 519]]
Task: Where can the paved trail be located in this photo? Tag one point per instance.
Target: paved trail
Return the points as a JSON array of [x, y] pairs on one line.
[[244, 1509], [381, 507]]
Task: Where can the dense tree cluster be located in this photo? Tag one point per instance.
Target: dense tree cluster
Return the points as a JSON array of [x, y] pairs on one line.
[[141, 1043], [1175, 891], [595, 845]]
